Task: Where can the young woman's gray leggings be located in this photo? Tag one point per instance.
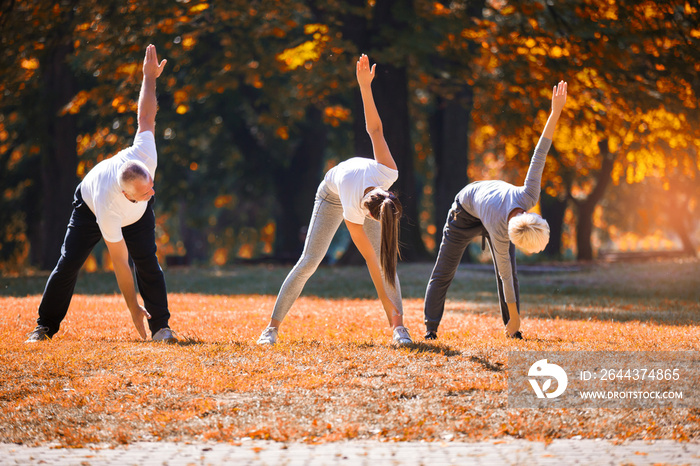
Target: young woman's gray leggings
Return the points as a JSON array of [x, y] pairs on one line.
[[325, 220]]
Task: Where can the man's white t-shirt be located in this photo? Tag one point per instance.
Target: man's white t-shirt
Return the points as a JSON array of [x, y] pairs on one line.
[[102, 194], [350, 178]]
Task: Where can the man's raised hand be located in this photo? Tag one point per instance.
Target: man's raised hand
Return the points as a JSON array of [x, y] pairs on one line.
[[151, 67]]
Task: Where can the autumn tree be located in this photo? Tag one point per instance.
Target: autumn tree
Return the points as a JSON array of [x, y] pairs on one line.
[[226, 120], [617, 59], [259, 100], [39, 139]]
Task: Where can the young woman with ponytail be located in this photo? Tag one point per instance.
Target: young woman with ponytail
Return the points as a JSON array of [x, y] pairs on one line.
[[354, 191]]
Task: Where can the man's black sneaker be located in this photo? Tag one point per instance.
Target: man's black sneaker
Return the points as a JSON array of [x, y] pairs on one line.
[[430, 335]]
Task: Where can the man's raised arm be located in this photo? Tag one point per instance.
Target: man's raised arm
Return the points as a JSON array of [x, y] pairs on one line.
[[148, 106]]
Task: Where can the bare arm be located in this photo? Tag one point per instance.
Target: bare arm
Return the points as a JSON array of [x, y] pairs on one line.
[[120, 260], [359, 237], [148, 106], [373, 123]]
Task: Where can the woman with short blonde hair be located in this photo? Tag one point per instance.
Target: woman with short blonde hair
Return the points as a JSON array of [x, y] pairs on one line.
[[496, 211], [529, 232]]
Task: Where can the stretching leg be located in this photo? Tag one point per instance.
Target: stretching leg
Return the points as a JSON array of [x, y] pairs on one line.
[[81, 237], [325, 220], [460, 228]]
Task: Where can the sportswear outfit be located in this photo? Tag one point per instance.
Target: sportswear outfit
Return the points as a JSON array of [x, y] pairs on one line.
[[339, 196], [482, 209], [100, 210]]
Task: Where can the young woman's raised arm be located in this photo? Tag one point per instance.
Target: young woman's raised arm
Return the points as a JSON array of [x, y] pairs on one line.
[[373, 123]]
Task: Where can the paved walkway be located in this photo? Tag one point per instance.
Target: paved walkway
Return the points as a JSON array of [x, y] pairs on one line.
[[258, 452]]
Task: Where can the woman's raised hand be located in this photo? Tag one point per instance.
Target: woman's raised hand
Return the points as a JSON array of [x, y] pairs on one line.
[[365, 74], [559, 96]]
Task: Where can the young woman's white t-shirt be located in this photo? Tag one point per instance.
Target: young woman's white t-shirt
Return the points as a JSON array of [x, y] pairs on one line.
[[350, 178], [102, 194]]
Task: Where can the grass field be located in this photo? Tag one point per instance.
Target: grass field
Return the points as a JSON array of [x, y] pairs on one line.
[[333, 375]]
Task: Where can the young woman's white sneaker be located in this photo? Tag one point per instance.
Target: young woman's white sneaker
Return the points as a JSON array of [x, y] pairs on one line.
[[401, 336], [268, 336]]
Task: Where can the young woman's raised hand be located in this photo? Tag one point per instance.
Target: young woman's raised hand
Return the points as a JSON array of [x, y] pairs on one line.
[[559, 96], [365, 74]]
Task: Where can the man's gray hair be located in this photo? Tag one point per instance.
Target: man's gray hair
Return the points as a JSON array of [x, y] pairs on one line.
[[130, 171], [529, 232]]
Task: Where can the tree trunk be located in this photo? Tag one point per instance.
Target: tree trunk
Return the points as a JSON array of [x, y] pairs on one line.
[[391, 96], [553, 210], [586, 207], [686, 240], [584, 230], [194, 239], [450, 140], [680, 220], [296, 188], [390, 90], [59, 158]]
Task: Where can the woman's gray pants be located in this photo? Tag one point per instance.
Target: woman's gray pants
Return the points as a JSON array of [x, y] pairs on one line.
[[460, 228], [325, 220]]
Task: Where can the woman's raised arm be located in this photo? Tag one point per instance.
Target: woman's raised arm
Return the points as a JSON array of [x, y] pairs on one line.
[[373, 123]]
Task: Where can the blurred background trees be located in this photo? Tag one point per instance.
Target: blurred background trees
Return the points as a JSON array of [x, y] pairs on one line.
[[259, 99]]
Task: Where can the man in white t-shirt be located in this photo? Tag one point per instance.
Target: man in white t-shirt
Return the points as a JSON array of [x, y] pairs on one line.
[[115, 202]]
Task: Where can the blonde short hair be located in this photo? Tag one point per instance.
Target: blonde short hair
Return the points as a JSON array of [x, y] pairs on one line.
[[529, 232]]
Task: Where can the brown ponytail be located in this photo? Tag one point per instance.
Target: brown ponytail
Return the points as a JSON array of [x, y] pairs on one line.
[[386, 207]]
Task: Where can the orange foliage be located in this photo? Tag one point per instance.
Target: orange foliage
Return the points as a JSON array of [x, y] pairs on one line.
[[73, 107], [335, 115], [440, 10], [30, 64], [220, 256], [198, 8], [223, 200], [245, 251], [282, 132], [127, 69], [188, 42], [308, 51]]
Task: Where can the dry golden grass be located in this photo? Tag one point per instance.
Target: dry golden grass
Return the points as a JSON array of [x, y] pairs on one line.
[[333, 374]]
